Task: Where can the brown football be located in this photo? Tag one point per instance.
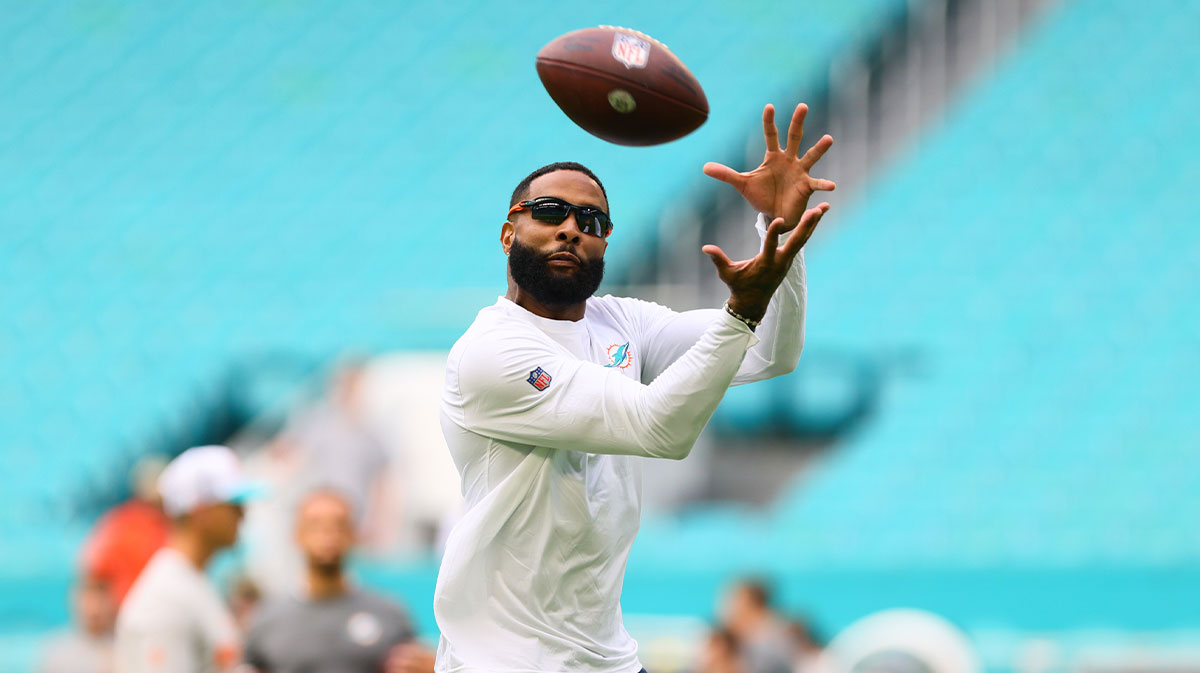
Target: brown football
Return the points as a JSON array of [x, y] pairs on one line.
[[622, 86]]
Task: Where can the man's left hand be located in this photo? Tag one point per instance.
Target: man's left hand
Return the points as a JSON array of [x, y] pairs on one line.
[[781, 186]]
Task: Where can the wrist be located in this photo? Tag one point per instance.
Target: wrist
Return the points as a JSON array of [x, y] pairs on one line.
[[750, 313]]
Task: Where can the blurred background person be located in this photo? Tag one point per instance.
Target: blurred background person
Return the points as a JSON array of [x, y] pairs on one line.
[[761, 633], [808, 649], [88, 646], [174, 619], [334, 445], [245, 597], [331, 625], [121, 543], [721, 653]]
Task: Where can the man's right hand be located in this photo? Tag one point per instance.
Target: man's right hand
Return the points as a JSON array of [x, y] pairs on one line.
[[753, 281]]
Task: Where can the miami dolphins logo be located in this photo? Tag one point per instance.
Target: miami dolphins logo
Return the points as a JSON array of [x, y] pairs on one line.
[[619, 357]]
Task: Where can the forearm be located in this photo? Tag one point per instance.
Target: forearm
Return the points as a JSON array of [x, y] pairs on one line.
[[781, 334], [586, 407], [678, 404]]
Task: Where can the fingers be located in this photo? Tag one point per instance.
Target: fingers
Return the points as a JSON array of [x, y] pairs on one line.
[[771, 240], [718, 257], [796, 129], [808, 224], [817, 151], [770, 133], [821, 185], [723, 173]]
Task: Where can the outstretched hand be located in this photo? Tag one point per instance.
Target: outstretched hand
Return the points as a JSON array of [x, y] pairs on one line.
[[752, 281], [781, 186]]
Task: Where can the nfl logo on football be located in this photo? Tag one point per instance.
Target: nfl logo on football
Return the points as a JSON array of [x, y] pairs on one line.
[[632, 51]]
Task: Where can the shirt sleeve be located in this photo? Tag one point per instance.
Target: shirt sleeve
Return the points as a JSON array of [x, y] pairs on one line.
[[523, 388], [781, 334]]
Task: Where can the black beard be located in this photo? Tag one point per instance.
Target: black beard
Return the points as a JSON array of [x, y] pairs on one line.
[[532, 273], [325, 568]]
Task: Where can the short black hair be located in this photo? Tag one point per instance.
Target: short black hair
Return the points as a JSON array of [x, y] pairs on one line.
[[522, 191]]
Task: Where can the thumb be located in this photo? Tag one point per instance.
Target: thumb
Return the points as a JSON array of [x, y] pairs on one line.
[[718, 257], [723, 173]]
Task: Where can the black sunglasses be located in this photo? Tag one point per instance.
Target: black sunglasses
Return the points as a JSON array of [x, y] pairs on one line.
[[549, 209]]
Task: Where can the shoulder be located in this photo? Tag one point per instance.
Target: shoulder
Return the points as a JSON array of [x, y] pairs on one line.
[[270, 615], [629, 312], [380, 604], [151, 595], [495, 347], [391, 615], [492, 330]]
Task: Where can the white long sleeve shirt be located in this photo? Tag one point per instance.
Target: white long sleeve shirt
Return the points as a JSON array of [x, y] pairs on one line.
[[547, 421], [174, 621]]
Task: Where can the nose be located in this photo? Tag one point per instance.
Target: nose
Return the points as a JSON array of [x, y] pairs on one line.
[[568, 230]]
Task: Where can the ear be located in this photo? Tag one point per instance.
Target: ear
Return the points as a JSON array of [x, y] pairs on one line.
[[507, 233]]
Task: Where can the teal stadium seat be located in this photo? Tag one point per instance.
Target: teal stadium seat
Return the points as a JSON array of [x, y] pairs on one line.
[[186, 184], [1041, 251]]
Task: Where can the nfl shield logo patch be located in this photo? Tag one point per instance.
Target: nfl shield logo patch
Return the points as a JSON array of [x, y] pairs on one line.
[[630, 50], [539, 379]]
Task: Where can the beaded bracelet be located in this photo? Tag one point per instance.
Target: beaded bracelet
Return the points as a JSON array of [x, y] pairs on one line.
[[749, 323]]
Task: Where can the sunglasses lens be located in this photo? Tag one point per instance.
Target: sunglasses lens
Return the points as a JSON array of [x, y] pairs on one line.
[[550, 211], [597, 224], [592, 223], [590, 220]]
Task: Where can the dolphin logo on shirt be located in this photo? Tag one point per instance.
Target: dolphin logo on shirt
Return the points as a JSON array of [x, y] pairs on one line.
[[618, 355]]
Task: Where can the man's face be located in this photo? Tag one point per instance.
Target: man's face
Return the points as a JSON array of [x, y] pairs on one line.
[[218, 522], [737, 606], [557, 263], [95, 608], [325, 531]]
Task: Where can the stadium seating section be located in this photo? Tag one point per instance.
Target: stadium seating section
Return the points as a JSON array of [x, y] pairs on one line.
[[186, 186], [1035, 258]]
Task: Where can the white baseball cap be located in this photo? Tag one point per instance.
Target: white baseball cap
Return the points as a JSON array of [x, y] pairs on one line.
[[204, 475]]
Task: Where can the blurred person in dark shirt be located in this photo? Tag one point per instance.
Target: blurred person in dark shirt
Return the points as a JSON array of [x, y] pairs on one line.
[[761, 633], [330, 625], [335, 446], [88, 646], [121, 543]]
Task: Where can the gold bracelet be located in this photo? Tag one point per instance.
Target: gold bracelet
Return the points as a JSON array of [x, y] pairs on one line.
[[749, 323]]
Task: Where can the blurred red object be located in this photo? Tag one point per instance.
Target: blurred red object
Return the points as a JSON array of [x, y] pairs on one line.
[[122, 543]]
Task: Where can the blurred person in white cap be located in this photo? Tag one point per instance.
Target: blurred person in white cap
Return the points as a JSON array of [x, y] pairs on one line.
[[173, 620]]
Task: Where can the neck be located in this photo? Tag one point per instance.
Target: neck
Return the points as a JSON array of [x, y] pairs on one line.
[[326, 585], [191, 547], [572, 312]]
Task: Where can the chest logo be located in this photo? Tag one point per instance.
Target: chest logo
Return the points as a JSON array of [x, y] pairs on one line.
[[539, 378], [364, 629], [619, 356]]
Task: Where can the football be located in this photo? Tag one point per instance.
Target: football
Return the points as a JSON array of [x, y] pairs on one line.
[[622, 86]]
